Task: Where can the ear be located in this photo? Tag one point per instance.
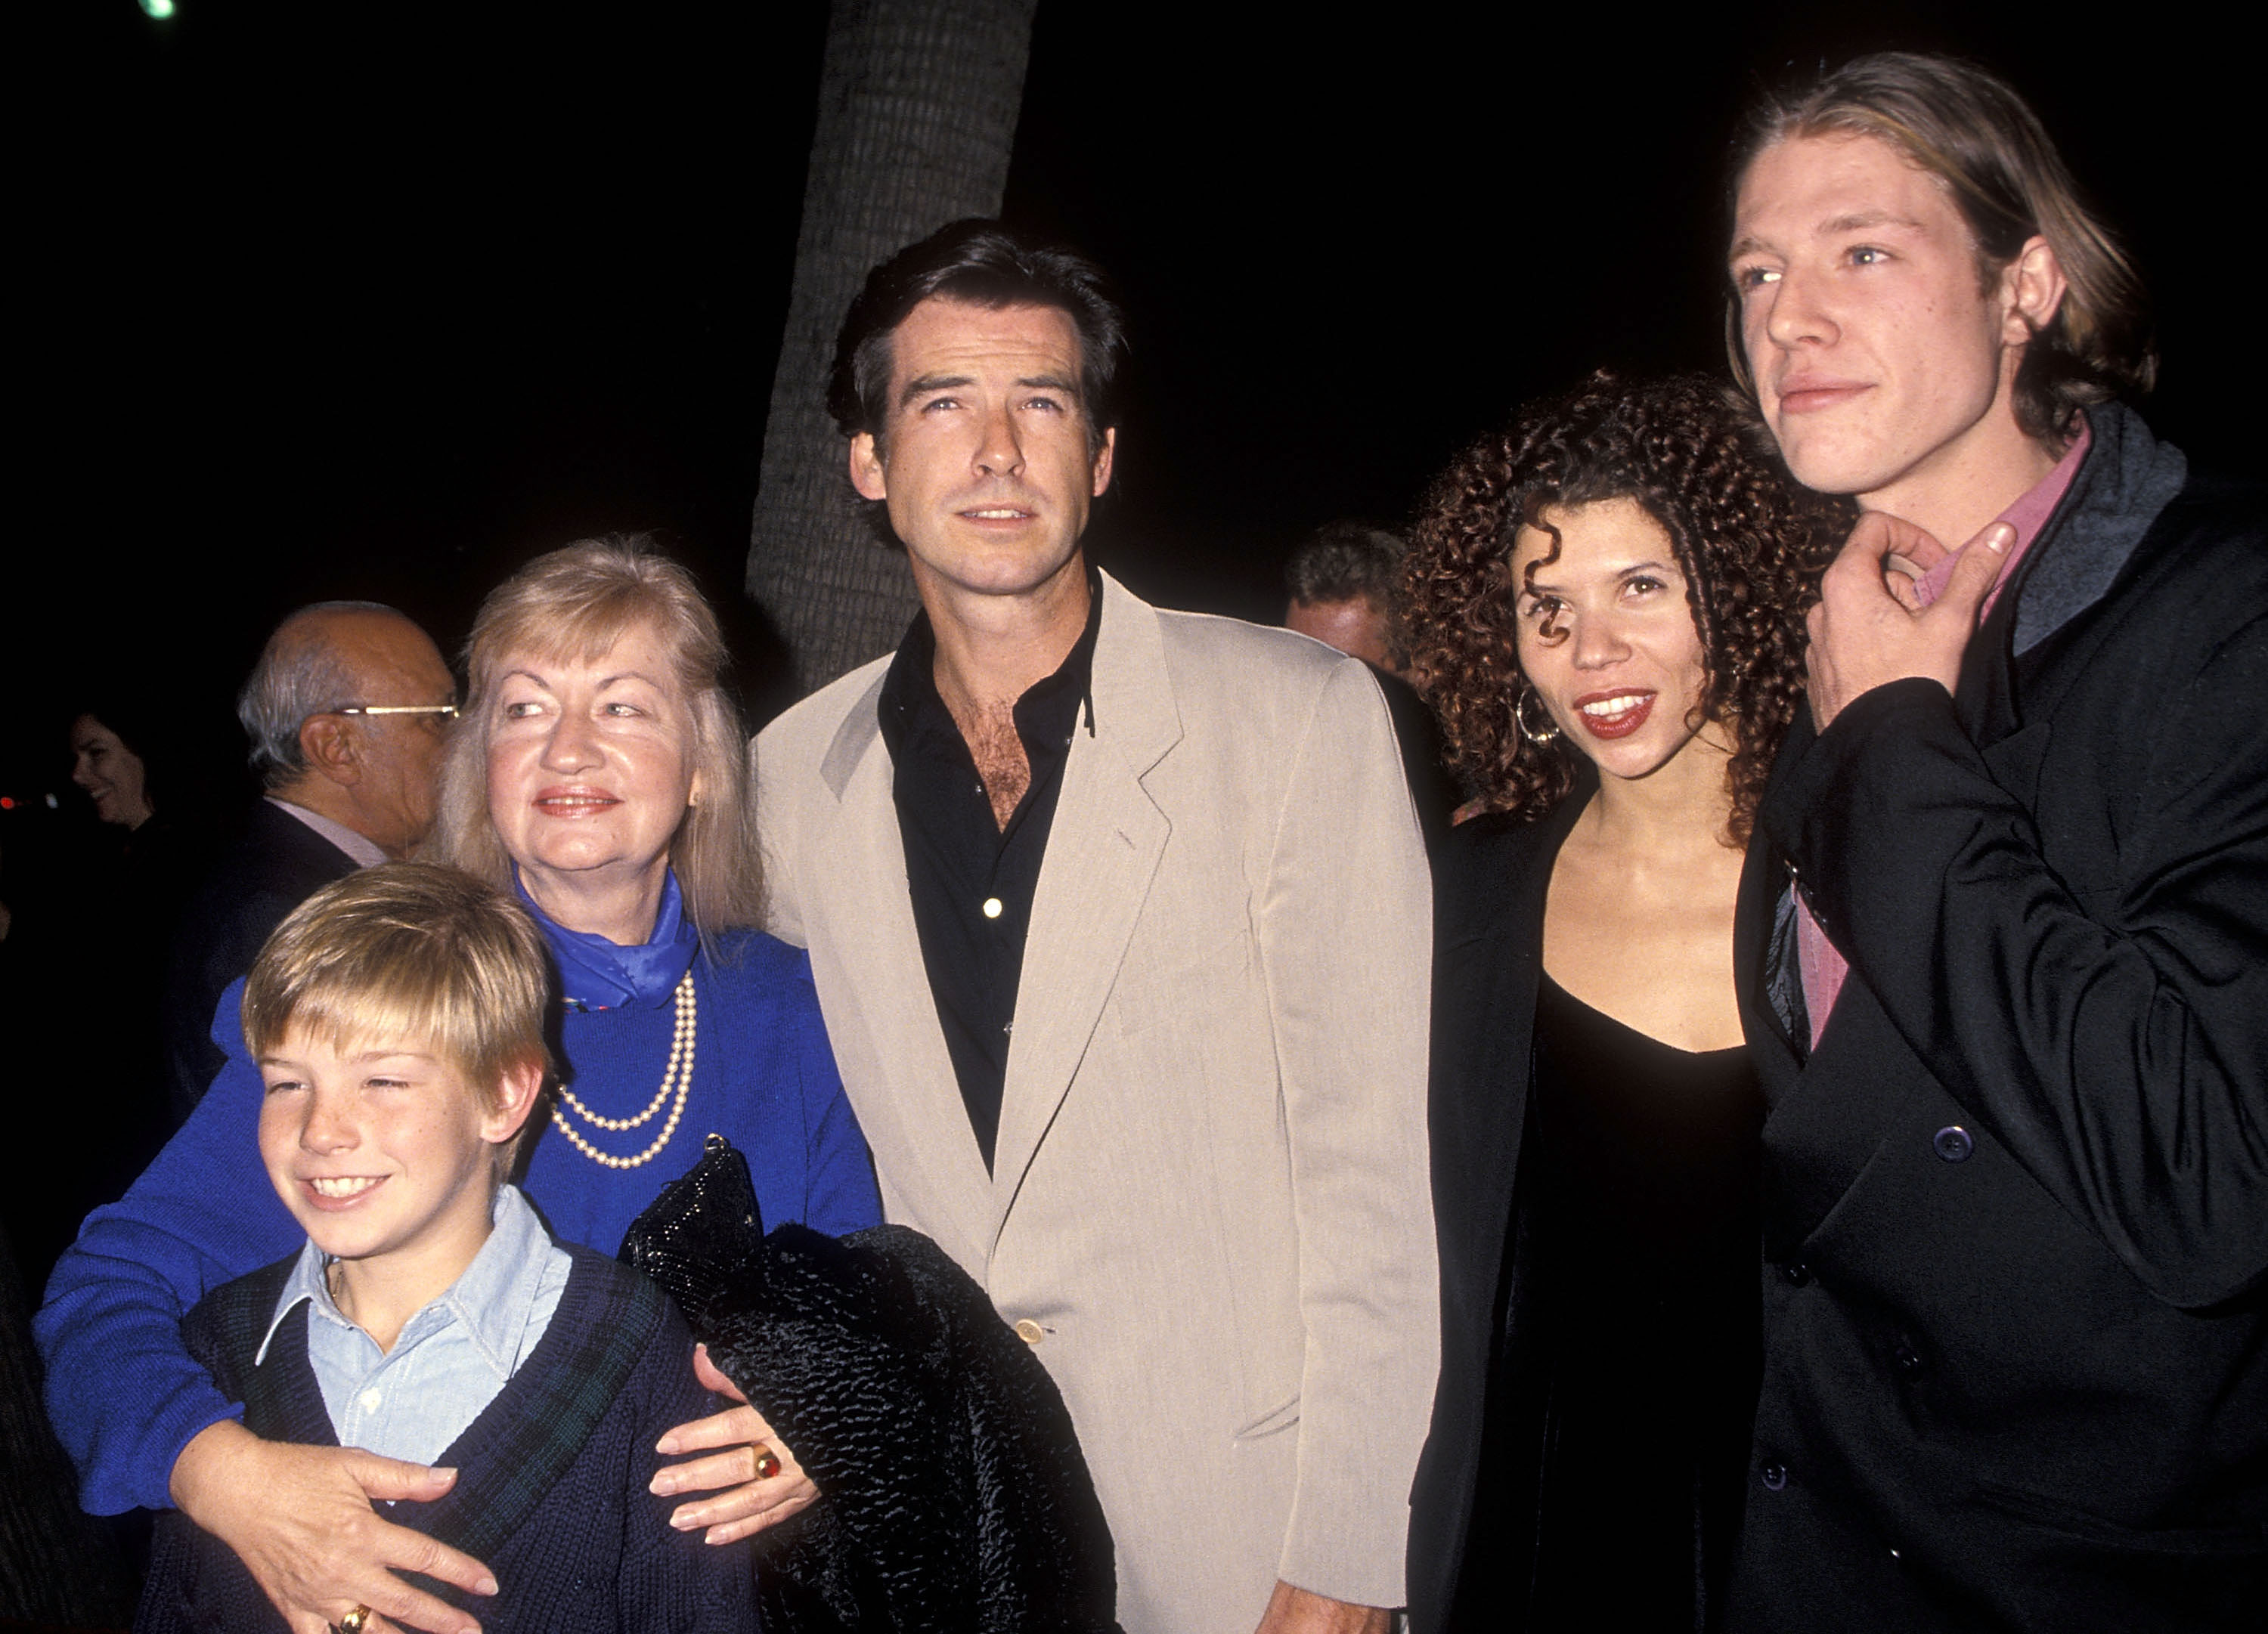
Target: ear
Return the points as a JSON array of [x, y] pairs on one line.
[[329, 745], [866, 472], [1102, 461], [2032, 288], [515, 1100]]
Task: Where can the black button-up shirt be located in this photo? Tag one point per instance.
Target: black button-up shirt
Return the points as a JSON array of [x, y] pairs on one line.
[[972, 880]]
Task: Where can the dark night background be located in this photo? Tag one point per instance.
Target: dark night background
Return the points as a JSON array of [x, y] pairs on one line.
[[323, 298], [379, 300]]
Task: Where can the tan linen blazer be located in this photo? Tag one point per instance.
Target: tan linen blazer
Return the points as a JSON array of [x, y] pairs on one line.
[[1210, 1209]]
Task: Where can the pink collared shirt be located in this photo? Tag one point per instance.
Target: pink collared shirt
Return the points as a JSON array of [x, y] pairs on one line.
[[1822, 967]]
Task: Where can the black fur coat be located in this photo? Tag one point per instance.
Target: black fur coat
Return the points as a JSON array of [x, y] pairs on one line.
[[955, 1498]]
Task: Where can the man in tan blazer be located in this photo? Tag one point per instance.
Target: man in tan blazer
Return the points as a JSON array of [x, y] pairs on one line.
[[1121, 926]]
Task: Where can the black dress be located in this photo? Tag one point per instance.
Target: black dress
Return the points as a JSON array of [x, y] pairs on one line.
[[1620, 1389]]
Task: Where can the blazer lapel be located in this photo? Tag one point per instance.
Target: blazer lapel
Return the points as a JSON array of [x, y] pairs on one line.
[[1103, 853], [919, 1129]]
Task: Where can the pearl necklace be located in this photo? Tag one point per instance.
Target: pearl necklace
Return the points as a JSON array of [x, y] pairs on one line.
[[680, 1054]]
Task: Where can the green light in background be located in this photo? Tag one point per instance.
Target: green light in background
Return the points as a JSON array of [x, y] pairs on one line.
[[157, 8]]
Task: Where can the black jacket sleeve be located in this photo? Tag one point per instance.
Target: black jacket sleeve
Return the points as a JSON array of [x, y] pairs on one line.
[[2110, 1030]]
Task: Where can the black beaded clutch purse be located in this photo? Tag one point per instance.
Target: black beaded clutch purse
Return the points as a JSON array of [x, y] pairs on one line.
[[703, 1231]]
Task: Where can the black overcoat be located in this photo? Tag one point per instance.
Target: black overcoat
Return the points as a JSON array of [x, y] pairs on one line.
[[2016, 1201]]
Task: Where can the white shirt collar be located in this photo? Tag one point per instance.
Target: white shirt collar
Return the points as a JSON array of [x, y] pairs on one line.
[[495, 1299]]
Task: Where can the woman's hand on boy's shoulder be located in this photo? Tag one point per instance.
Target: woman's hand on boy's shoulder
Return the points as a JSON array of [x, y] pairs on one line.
[[763, 1483], [300, 1519]]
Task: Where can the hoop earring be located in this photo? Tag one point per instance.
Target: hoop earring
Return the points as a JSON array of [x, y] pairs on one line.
[[1551, 732]]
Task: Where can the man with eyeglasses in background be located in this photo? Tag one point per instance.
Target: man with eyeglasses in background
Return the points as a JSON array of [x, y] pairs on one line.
[[348, 710]]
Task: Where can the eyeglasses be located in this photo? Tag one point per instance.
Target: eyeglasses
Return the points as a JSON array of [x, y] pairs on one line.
[[447, 711]]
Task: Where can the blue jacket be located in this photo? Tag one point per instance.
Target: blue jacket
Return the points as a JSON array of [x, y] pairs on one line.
[[123, 1392]]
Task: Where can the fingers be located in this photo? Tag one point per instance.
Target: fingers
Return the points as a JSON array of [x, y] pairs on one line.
[[402, 1607], [746, 1509], [735, 1426], [741, 1423], [733, 1531], [1910, 550], [712, 1377], [392, 1478], [734, 1467], [1879, 537], [397, 1605], [416, 1552], [1977, 569]]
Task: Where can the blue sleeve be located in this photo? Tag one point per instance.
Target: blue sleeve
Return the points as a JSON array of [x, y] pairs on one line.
[[840, 1195], [121, 1389]]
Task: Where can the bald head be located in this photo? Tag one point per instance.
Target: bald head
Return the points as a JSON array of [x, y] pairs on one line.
[[373, 773]]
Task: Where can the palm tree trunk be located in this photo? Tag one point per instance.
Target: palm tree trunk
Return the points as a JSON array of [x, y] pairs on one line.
[[918, 105]]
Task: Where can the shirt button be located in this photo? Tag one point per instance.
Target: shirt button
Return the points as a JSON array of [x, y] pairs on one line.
[[369, 1398], [1775, 1477], [1953, 1143], [1029, 1331], [1797, 1274], [1908, 1359], [991, 908]]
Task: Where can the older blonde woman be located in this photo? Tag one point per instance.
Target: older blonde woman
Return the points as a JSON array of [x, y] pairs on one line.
[[600, 770]]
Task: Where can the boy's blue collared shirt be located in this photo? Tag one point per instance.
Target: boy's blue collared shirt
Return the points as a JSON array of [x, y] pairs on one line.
[[451, 1357]]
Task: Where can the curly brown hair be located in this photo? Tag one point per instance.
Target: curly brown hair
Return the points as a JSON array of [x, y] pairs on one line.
[[1750, 543]]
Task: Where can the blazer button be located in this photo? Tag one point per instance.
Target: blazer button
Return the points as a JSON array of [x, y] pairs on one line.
[[1029, 1331], [1909, 1362], [1775, 1477], [1798, 1274], [1953, 1143]]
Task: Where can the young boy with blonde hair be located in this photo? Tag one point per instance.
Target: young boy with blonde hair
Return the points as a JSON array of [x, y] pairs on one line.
[[397, 1019]]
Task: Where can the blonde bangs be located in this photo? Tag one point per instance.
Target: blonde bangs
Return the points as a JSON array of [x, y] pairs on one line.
[[407, 955]]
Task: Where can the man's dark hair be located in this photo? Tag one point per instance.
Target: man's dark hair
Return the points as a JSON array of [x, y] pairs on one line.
[[1983, 144], [1345, 559], [985, 264]]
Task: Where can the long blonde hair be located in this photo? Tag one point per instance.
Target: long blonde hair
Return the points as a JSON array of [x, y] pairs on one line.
[[1951, 120], [573, 604]]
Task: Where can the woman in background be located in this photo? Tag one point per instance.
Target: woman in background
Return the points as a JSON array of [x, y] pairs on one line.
[[92, 968], [1606, 611]]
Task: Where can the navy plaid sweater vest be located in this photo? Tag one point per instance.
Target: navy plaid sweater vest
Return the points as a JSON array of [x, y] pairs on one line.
[[551, 1486]]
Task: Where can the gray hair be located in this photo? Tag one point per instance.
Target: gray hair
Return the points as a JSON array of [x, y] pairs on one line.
[[300, 675]]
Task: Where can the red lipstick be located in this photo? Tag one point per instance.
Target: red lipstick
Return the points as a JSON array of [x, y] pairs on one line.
[[1615, 714]]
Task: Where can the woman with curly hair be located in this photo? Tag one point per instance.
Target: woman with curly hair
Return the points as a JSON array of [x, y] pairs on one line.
[[1605, 608]]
